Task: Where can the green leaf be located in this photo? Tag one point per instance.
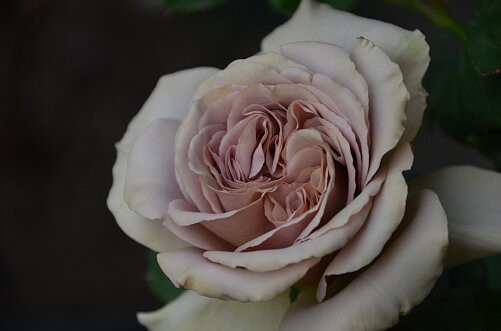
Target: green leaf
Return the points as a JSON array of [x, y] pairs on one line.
[[484, 39], [463, 299], [159, 284], [191, 5], [287, 7], [468, 105], [494, 271], [284, 7]]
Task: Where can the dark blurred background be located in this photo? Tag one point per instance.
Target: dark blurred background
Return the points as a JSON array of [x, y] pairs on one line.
[[72, 75]]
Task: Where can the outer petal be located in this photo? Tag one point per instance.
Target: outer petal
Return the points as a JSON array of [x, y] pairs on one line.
[[151, 180], [188, 268], [399, 279], [387, 211], [319, 22], [388, 96], [170, 98], [151, 234], [472, 200], [192, 312]]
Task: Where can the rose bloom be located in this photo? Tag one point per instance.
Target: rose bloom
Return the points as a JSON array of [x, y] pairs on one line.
[[286, 170]]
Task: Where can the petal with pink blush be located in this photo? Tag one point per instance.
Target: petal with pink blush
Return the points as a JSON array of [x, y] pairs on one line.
[[387, 211], [197, 235], [342, 217], [188, 268], [399, 279], [236, 226], [273, 259]]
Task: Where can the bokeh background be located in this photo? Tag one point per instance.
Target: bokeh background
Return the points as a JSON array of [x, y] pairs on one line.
[[72, 75]]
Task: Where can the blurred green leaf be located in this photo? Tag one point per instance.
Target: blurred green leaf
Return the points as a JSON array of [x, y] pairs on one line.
[[287, 7], [159, 284], [494, 271], [468, 105], [191, 5], [484, 39], [458, 310], [465, 298]]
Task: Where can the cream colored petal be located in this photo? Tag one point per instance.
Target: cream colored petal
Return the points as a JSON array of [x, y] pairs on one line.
[[192, 312], [243, 73], [315, 21], [276, 61], [188, 268], [170, 99], [151, 181], [398, 280], [332, 61], [149, 233], [387, 211], [388, 99], [472, 200]]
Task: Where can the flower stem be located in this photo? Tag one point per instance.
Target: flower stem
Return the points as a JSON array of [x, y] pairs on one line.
[[437, 12]]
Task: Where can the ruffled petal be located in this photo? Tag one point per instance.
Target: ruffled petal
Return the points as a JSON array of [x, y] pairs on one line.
[[398, 280], [387, 211], [192, 312], [388, 96], [188, 268], [472, 200], [315, 21]]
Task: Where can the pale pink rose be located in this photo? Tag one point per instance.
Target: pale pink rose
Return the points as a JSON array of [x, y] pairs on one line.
[[285, 170]]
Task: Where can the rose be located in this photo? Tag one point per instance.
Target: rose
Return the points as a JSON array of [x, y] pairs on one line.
[[288, 172]]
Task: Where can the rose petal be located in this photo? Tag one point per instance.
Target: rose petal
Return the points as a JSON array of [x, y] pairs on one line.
[[243, 73], [169, 99], [149, 233], [388, 96], [332, 61], [236, 227], [198, 236], [399, 279], [472, 200], [192, 312], [151, 181], [188, 268], [387, 211], [315, 21], [273, 259]]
